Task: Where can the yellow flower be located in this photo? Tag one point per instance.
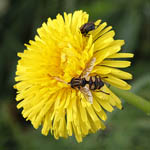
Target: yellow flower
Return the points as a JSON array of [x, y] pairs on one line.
[[60, 51]]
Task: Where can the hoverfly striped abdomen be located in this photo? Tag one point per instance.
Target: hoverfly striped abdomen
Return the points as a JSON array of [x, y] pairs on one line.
[[95, 82]]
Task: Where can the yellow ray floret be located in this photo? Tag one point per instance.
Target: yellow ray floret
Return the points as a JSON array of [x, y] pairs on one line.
[[56, 55]]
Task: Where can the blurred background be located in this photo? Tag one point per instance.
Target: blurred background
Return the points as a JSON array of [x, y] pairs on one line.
[[126, 129]]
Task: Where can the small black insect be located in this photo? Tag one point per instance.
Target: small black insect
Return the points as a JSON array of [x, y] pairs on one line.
[[87, 27]]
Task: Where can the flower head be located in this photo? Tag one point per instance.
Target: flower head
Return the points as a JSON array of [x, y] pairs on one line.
[[59, 53]]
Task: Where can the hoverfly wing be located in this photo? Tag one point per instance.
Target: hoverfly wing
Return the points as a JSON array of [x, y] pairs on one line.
[[88, 68], [87, 94]]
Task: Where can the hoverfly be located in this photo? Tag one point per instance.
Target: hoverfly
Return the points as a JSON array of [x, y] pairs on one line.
[[86, 83], [87, 27]]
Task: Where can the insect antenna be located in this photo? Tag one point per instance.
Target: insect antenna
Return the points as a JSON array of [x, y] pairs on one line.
[[103, 92]]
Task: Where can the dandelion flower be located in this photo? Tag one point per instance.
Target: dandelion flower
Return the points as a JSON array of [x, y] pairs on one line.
[[61, 51]]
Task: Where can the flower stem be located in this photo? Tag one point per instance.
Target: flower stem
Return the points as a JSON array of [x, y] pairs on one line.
[[133, 99]]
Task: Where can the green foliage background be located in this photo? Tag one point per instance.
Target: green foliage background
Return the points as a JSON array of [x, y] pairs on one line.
[[126, 129]]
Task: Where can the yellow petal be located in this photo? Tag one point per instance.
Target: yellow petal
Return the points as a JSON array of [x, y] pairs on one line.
[[121, 74], [116, 63], [95, 33], [117, 82], [121, 55], [105, 30], [115, 46], [101, 70], [104, 41]]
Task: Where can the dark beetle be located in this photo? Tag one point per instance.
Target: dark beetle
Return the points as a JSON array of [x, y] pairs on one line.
[[87, 27]]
